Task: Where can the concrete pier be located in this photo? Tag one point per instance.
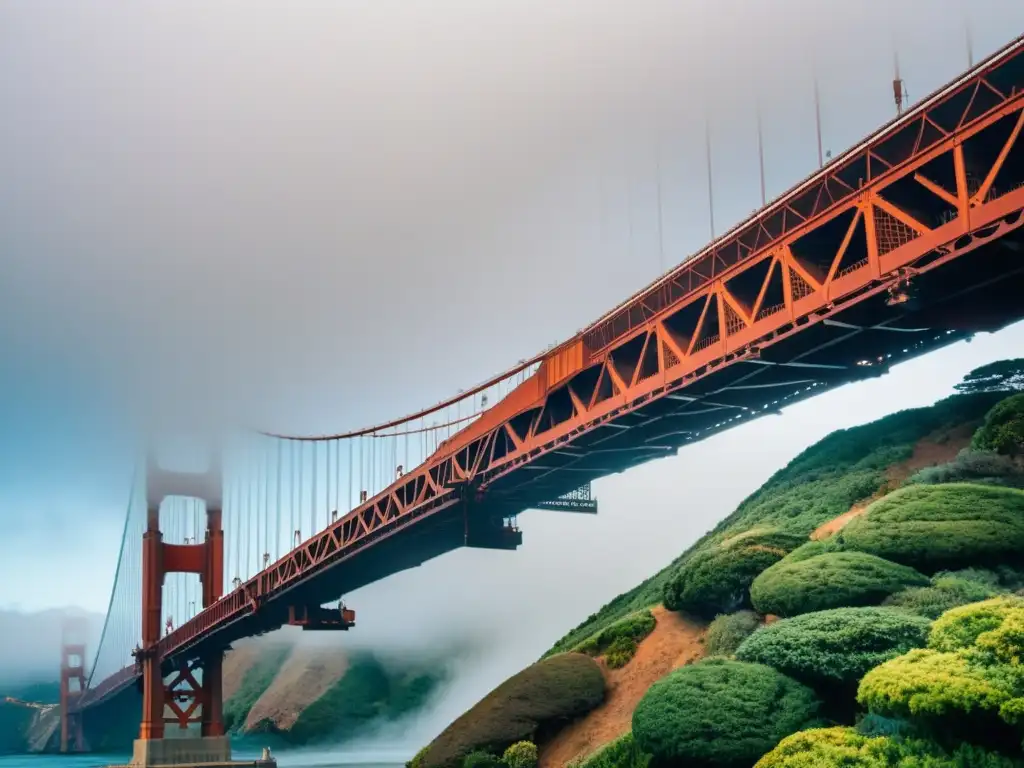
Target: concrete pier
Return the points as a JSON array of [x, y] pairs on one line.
[[191, 752]]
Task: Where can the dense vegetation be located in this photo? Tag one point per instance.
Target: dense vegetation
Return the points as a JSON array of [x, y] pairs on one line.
[[618, 641], [942, 526], [369, 692], [1003, 430], [836, 646], [725, 634], [821, 483], [947, 590], [255, 682], [845, 747], [967, 683], [546, 694], [720, 712], [717, 579], [829, 580], [624, 752]]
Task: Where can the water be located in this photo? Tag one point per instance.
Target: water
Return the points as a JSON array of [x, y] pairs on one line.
[[321, 758]]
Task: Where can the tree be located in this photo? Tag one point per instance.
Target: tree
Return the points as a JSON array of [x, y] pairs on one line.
[[720, 713], [1003, 430], [1000, 376]]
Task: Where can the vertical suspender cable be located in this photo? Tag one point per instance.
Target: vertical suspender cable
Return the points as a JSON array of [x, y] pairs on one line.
[[337, 476], [277, 528], [248, 516], [291, 493], [312, 493], [349, 506]]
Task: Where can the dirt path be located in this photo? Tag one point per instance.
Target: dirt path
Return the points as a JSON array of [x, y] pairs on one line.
[[305, 677], [674, 642], [928, 452]]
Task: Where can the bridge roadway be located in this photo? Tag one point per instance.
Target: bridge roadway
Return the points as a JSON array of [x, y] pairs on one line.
[[908, 242]]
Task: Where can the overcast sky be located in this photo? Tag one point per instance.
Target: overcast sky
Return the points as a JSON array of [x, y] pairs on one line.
[[316, 216]]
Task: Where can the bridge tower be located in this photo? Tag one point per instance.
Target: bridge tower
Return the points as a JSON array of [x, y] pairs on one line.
[[196, 684], [72, 682]]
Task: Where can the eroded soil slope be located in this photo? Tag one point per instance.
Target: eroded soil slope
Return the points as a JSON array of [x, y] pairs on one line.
[[303, 679], [674, 642]]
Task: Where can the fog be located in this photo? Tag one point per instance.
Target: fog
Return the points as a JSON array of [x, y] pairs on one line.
[[312, 219]]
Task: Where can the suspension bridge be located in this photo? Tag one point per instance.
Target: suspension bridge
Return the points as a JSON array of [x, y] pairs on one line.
[[907, 242]]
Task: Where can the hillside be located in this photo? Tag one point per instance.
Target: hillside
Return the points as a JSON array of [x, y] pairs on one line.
[[301, 693], [783, 617]]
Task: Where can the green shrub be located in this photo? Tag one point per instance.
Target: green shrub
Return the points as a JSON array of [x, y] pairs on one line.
[[942, 526], [481, 760], [621, 753], [1003, 430], [554, 690], [720, 712], [717, 579], [835, 646], [634, 627], [417, 760], [835, 747], [946, 591], [960, 628], [522, 754], [970, 466], [928, 683], [727, 631], [815, 548], [968, 681], [831, 580], [620, 652]]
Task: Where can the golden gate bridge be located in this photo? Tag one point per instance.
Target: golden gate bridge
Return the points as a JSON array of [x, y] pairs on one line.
[[909, 241]]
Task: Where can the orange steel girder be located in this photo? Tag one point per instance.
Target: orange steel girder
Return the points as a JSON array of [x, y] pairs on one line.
[[706, 314]]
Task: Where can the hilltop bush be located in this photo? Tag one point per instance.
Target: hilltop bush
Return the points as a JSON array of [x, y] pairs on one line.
[[621, 753], [728, 631], [942, 526], [717, 579], [481, 759], [946, 591], [522, 754], [967, 683], [821, 483], [721, 713], [831, 580], [836, 646], [550, 692], [1003, 430], [971, 466], [827, 747], [619, 639], [620, 653]]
